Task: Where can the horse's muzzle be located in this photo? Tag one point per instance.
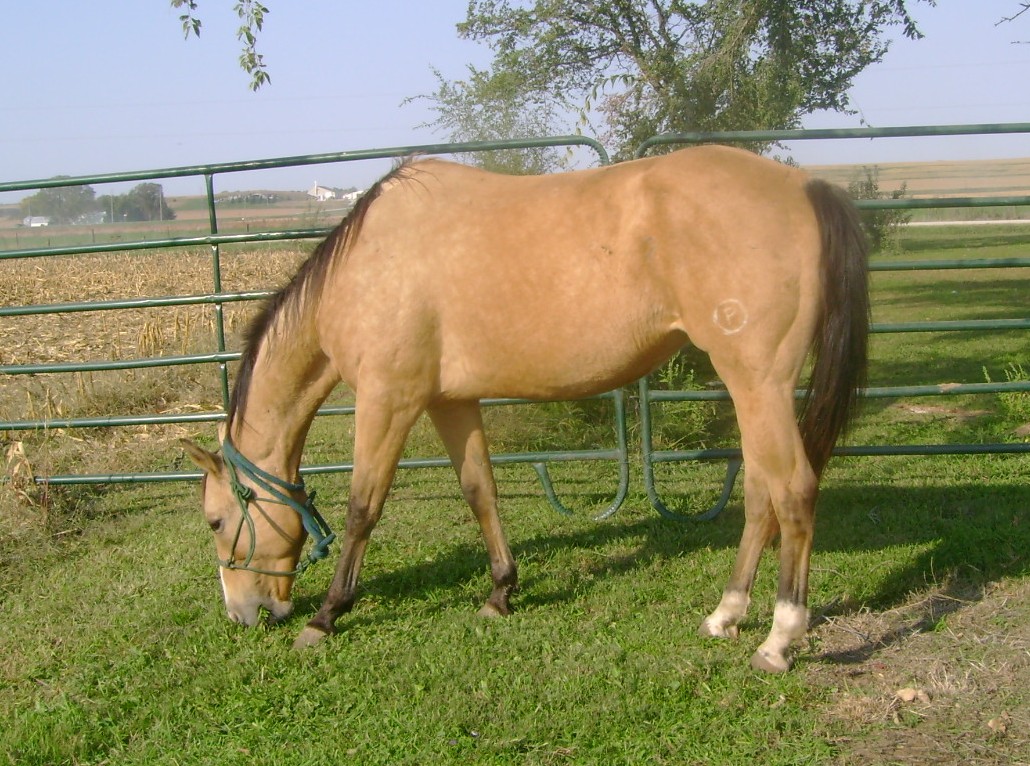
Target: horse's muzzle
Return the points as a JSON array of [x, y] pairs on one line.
[[249, 613]]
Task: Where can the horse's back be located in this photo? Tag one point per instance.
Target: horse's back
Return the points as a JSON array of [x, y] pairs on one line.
[[573, 283]]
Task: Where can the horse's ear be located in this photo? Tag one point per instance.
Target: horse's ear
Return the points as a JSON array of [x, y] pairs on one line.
[[209, 462]]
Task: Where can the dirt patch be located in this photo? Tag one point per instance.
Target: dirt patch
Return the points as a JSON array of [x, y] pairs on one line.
[[942, 679], [936, 411]]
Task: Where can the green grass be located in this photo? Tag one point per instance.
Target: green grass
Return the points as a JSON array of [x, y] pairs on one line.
[[115, 648]]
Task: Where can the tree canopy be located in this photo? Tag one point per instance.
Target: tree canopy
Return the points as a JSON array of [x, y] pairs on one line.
[[495, 107], [643, 67], [144, 202], [77, 204], [61, 204]]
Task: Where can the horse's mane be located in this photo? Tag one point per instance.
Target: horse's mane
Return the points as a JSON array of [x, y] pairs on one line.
[[305, 287]]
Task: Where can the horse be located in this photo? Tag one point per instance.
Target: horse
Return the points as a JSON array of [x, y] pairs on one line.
[[446, 284]]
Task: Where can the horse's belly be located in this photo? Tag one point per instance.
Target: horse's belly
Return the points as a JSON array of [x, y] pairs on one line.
[[546, 368]]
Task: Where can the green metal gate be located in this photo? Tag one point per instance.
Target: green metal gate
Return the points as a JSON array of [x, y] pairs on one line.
[[217, 299], [648, 397]]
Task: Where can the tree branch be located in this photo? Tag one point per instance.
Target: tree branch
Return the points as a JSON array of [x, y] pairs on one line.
[[1025, 7], [252, 15]]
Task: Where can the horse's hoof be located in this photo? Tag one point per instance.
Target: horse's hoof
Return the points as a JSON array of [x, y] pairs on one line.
[[769, 663], [716, 631], [490, 609], [309, 637]]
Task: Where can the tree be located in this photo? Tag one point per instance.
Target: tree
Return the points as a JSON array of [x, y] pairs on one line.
[[644, 67], [493, 107], [883, 227], [1023, 8], [149, 199], [62, 204], [144, 202]]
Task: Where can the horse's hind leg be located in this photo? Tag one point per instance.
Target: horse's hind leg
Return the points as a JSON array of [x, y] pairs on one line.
[[780, 494], [460, 426], [381, 424], [760, 528]]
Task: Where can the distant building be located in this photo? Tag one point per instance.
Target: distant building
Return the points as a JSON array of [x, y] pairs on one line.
[[248, 198], [321, 193], [35, 221]]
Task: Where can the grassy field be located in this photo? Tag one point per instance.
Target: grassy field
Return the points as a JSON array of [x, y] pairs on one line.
[[115, 648], [944, 178], [292, 210], [971, 178]]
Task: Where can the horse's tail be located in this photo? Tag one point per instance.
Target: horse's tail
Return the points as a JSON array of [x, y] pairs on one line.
[[840, 345]]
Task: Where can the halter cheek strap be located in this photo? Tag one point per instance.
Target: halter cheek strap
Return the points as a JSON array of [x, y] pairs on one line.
[[279, 490]]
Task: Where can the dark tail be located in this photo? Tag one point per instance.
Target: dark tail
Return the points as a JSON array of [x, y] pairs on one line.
[[840, 346]]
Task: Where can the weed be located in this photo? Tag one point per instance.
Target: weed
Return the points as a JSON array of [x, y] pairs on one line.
[[692, 423], [1014, 404]]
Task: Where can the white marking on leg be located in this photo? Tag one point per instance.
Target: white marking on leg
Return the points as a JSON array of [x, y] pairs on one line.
[[730, 316], [722, 623], [790, 622]]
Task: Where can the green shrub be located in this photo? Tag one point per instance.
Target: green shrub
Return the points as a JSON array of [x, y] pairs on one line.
[[883, 227]]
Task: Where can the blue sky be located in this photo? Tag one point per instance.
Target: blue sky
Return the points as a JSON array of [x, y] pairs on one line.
[[97, 88]]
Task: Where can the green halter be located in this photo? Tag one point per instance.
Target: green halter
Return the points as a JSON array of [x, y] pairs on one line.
[[316, 526]]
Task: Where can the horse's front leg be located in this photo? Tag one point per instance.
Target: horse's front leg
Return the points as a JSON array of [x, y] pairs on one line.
[[381, 425]]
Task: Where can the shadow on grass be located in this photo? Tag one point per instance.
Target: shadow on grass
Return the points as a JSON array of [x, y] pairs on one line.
[[952, 298], [446, 574], [969, 535], [929, 240]]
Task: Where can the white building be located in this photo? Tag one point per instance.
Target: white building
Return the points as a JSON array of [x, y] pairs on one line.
[[321, 193]]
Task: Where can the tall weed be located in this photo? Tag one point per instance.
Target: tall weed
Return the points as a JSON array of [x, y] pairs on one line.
[[1015, 405], [684, 424]]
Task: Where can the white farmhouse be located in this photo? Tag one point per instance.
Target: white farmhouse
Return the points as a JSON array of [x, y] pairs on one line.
[[321, 193]]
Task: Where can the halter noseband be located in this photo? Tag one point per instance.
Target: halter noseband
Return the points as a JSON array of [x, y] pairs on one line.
[[314, 524]]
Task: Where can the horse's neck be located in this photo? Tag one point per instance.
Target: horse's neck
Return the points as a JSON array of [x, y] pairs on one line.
[[289, 381]]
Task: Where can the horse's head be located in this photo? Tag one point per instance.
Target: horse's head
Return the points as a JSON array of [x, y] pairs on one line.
[[258, 537]]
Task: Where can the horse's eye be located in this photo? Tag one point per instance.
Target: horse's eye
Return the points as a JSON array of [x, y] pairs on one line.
[[216, 525]]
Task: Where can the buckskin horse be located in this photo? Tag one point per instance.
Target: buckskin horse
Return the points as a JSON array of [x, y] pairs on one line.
[[447, 284]]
